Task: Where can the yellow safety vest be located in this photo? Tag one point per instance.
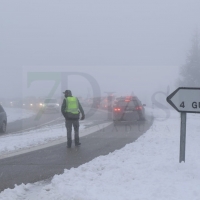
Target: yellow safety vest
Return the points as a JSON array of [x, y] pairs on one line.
[[72, 105]]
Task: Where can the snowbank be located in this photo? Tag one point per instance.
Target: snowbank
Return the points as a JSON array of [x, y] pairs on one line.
[[14, 114], [18, 141]]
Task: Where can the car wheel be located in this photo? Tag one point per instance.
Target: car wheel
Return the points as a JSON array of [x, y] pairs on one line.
[[3, 128]]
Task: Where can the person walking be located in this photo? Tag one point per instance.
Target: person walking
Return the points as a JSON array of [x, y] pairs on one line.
[[71, 109]]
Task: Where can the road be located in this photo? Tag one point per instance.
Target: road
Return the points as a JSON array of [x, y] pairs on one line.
[[45, 163]]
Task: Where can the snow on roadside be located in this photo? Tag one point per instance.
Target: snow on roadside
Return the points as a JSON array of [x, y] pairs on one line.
[[14, 114], [18, 141], [146, 169]]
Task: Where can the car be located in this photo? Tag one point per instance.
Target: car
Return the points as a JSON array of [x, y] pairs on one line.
[[3, 120], [128, 109], [51, 105]]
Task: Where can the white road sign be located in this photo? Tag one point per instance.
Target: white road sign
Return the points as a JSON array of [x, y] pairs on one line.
[[185, 99]]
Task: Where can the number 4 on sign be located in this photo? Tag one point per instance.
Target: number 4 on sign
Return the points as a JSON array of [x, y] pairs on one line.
[[182, 105]]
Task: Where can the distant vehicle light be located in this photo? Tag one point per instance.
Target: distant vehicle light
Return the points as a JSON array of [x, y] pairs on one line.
[[58, 104], [117, 109], [31, 104]]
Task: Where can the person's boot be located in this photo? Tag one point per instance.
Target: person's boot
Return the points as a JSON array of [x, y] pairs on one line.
[[68, 144], [77, 144]]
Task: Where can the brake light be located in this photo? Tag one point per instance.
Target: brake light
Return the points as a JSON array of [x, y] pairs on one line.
[[117, 109], [139, 108], [127, 100]]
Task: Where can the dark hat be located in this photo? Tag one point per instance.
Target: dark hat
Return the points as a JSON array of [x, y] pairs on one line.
[[67, 92]]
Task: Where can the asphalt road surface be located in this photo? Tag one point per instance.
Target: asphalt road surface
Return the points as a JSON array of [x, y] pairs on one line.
[[45, 163]]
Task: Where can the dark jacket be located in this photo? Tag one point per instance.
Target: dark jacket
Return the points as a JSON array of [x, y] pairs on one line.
[[68, 115]]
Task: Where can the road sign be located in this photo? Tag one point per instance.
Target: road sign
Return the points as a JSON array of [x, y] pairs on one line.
[[185, 99]]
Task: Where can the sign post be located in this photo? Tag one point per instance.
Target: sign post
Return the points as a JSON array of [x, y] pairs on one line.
[[183, 137], [184, 100]]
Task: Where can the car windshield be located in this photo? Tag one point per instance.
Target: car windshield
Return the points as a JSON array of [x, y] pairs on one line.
[[126, 103], [50, 101]]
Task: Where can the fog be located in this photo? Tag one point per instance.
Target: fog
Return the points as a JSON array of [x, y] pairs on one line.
[[126, 46]]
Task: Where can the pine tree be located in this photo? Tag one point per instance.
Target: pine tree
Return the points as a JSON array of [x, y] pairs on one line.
[[190, 72]]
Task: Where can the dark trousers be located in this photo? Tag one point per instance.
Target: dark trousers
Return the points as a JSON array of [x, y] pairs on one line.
[[68, 124]]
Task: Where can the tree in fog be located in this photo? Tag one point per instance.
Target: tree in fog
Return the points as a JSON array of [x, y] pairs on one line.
[[190, 71]]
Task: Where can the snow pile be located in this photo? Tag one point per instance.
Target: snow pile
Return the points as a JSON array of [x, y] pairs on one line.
[[14, 114], [17, 141], [146, 169]]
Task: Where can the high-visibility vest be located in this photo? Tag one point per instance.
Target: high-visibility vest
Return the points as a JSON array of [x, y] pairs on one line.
[[72, 105]]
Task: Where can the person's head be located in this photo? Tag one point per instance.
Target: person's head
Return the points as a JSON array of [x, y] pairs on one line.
[[67, 93]]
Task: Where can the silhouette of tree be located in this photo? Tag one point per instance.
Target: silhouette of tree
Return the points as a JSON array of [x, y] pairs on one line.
[[190, 71]]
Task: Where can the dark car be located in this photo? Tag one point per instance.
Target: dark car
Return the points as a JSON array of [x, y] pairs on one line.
[[3, 120], [128, 109]]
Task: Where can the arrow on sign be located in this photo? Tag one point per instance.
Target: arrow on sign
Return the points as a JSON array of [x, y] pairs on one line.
[[185, 99]]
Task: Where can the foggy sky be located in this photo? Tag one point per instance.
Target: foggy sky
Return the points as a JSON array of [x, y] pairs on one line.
[[126, 45]]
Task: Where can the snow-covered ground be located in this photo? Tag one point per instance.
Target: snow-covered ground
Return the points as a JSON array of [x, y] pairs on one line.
[[13, 143], [14, 114], [147, 169]]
